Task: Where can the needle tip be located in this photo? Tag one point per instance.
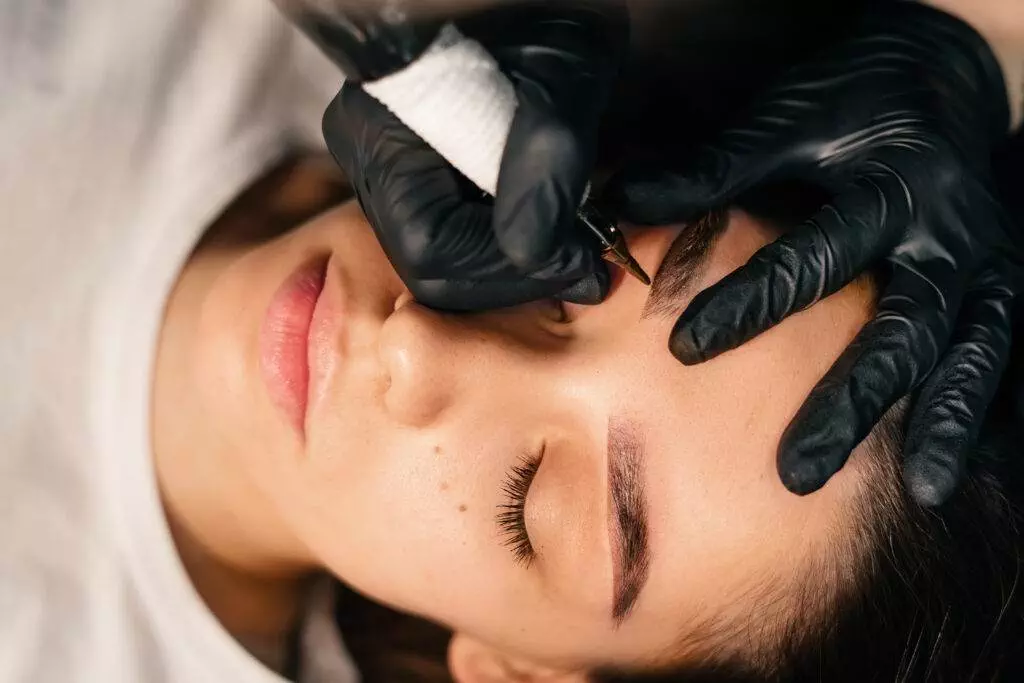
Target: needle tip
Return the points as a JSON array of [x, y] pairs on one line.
[[636, 271], [620, 256]]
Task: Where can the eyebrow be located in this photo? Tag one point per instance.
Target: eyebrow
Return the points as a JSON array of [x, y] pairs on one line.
[[684, 265], [629, 510]]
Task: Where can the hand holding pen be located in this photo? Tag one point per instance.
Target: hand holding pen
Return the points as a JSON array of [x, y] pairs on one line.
[[454, 247]]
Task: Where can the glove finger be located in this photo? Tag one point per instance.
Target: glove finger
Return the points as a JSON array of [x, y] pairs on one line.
[[562, 61], [432, 224], [949, 410], [886, 360], [589, 290], [476, 295], [793, 272]]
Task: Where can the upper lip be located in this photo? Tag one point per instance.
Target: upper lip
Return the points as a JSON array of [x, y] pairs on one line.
[[322, 343], [285, 337]]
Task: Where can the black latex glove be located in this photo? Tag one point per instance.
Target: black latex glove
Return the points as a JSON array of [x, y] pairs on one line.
[[452, 246], [897, 124]]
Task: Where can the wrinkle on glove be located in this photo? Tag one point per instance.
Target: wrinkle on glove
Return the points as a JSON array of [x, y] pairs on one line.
[[897, 125], [455, 248]]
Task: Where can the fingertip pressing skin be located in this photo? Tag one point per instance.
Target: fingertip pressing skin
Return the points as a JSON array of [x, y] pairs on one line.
[[812, 450], [719, 319], [819, 439], [589, 290], [802, 472], [695, 338], [683, 344], [929, 482], [954, 399], [935, 448], [939, 435], [804, 478]]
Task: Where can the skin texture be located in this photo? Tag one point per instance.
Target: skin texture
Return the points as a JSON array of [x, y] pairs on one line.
[[397, 483]]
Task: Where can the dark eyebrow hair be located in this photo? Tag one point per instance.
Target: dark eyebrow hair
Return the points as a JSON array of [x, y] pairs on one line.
[[684, 265], [629, 505]]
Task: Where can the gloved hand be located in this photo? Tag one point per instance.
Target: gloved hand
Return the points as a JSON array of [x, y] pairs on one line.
[[453, 247], [897, 124]]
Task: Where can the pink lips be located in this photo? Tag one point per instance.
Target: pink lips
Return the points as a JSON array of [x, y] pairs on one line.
[[284, 340]]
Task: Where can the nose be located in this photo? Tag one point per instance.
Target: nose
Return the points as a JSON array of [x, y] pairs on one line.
[[418, 352], [436, 361]]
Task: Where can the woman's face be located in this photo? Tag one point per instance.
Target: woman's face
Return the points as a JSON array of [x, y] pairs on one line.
[[552, 482]]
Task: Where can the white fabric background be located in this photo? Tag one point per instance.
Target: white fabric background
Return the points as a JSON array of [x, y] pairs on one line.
[[125, 127]]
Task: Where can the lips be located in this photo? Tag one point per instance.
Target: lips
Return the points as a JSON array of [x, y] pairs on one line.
[[284, 340]]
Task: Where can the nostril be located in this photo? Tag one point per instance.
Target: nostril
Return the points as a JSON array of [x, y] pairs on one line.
[[413, 348], [404, 298]]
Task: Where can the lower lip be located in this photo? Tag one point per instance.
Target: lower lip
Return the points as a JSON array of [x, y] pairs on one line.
[[284, 341]]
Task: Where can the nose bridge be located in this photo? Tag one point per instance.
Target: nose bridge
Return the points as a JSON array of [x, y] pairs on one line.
[[437, 361]]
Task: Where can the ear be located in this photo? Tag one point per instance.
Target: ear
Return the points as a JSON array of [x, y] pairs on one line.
[[471, 661]]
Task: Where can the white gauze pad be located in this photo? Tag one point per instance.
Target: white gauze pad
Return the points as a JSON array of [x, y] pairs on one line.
[[456, 98]]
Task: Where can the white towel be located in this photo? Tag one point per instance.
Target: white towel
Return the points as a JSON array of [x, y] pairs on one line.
[[456, 98]]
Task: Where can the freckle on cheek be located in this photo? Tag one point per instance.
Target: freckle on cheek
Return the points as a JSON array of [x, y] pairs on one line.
[[437, 450], [462, 508]]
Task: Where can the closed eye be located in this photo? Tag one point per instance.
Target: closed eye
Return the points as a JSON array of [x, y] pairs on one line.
[[511, 517]]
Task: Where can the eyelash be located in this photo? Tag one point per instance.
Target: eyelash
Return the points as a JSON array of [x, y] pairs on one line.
[[512, 514]]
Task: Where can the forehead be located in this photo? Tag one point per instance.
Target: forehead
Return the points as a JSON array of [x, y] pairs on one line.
[[721, 523]]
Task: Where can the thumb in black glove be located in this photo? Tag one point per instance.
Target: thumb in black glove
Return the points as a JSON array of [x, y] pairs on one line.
[[454, 247]]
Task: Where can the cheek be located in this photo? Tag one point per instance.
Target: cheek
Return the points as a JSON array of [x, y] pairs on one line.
[[407, 517]]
